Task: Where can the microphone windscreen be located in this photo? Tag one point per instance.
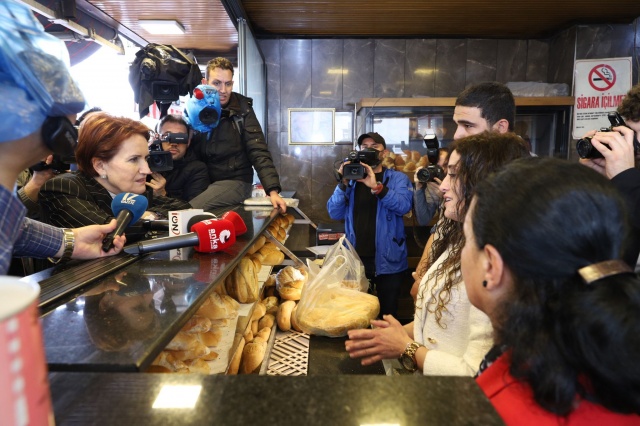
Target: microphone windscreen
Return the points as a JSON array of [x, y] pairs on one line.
[[214, 235], [237, 221], [199, 218], [135, 203]]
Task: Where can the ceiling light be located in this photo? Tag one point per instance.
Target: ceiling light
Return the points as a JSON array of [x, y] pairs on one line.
[[158, 27]]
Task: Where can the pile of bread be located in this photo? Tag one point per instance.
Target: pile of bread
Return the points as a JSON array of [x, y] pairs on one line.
[[281, 292], [409, 162], [197, 341]]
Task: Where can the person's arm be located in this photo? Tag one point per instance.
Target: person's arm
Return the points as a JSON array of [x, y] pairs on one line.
[[158, 184], [397, 194], [337, 203], [477, 343], [197, 179], [387, 340]]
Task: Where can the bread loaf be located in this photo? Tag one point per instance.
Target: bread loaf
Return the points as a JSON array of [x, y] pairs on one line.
[[242, 282], [218, 306], [415, 156], [254, 327], [252, 356], [257, 244], [266, 321], [259, 309], [248, 334], [197, 324], [198, 366], [272, 257], [290, 219], [198, 351], [183, 342], [211, 337], [234, 365], [294, 320], [271, 303], [337, 310], [410, 167], [290, 277], [284, 315], [264, 333], [167, 360], [270, 281], [290, 293]]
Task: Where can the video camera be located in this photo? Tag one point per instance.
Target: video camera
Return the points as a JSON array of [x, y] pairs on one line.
[[355, 170], [160, 160], [433, 170], [585, 148]]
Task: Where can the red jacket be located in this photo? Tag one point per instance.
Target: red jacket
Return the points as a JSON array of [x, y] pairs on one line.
[[514, 401]]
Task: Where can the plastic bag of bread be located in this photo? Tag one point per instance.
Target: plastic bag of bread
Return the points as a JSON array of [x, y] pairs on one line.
[[326, 308], [343, 252]]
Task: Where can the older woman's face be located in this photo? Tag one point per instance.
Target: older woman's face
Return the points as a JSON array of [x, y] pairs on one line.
[[127, 171], [450, 188]]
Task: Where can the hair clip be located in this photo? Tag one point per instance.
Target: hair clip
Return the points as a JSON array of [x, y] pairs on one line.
[[604, 269]]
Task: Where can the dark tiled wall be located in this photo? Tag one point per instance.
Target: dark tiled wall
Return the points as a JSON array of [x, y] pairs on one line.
[[297, 78]]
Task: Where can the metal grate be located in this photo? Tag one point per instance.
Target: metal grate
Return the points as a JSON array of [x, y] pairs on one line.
[[289, 355]]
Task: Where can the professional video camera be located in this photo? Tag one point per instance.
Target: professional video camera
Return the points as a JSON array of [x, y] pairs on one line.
[[160, 160], [433, 170], [355, 170], [585, 148], [60, 164], [203, 109]]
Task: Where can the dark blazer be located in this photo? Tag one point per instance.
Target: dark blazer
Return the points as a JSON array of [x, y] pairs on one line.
[[73, 200]]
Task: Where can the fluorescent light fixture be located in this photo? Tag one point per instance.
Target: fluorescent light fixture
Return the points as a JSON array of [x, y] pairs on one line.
[[173, 396], [424, 71], [337, 71], [158, 27]]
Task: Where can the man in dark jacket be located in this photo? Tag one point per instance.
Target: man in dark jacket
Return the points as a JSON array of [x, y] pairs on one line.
[[234, 148], [189, 177]]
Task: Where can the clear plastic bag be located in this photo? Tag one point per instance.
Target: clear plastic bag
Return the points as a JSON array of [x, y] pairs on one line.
[[327, 306]]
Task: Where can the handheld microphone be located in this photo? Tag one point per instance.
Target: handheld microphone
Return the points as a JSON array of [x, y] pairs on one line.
[[237, 221], [127, 208], [206, 236]]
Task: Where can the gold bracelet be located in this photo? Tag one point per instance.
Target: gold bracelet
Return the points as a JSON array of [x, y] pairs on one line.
[[69, 241]]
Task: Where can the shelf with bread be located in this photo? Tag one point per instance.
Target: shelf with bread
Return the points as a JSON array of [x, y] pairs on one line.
[[235, 322], [188, 302]]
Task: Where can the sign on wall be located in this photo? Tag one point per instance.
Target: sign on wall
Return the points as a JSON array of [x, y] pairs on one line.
[[599, 86]]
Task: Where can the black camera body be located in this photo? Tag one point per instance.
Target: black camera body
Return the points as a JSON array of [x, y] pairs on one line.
[[355, 170], [159, 160], [170, 137], [433, 170], [60, 164], [585, 148]]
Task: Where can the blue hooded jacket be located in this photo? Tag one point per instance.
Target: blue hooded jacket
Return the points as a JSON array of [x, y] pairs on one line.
[[391, 240]]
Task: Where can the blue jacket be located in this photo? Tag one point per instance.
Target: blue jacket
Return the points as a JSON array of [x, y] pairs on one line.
[[391, 240]]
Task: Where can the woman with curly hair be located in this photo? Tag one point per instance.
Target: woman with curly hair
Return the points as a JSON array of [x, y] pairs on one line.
[[448, 336], [544, 239]]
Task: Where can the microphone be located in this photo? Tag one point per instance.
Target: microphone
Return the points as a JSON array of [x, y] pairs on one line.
[[206, 236], [127, 208], [237, 221]]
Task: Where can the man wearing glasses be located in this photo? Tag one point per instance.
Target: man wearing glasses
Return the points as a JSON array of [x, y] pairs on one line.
[[233, 148]]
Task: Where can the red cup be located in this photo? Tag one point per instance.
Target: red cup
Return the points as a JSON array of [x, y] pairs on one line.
[[24, 388]]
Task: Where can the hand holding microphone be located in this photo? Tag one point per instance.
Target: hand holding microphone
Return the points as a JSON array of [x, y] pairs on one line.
[[127, 208]]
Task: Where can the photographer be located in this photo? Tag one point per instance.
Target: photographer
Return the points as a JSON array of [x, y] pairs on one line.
[[427, 195], [372, 210], [618, 163], [189, 177]]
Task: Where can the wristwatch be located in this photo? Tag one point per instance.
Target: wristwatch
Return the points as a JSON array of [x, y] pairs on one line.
[[408, 357]]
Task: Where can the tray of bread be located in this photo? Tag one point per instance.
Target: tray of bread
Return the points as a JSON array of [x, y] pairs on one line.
[[232, 329]]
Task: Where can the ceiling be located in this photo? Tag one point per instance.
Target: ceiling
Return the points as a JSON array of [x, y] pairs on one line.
[[210, 30]]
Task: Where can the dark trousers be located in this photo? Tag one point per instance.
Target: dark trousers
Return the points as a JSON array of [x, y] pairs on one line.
[[385, 286]]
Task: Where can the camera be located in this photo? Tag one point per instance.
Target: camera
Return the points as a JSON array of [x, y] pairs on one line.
[[159, 160], [203, 109], [433, 170], [60, 164], [429, 173], [585, 148], [355, 170], [170, 137]]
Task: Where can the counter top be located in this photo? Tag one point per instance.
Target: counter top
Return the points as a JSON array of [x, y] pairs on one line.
[[128, 399]]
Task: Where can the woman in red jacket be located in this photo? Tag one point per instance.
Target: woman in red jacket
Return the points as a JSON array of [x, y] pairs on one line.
[[541, 259]]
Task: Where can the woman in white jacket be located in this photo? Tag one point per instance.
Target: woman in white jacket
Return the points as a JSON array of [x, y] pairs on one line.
[[448, 336]]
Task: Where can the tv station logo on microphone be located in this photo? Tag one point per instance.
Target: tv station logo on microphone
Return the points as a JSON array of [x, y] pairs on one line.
[[129, 198], [216, 239]]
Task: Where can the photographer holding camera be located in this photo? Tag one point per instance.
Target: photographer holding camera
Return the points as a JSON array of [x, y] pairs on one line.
[[427, 195], [188, 177], [372, 208], [618, 148], [112, 156]]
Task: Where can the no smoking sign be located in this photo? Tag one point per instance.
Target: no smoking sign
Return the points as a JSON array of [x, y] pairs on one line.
[[602, 77]]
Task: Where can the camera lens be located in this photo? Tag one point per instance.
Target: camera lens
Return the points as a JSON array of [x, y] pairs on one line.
[[208, 116], [586, 150]]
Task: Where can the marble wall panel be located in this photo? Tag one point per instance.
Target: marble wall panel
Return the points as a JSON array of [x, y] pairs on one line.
[[605, 41], [419, 66], [537, 60], [271, 51], [323, 181], [295, 77], [482, 60], [561, 56], [273, 142], [326, 73], [511, 61], [357, 82], [296, 163], [388, 74], [451, 56]]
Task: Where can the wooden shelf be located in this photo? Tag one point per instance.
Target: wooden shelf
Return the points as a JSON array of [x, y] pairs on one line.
[[450, 102]]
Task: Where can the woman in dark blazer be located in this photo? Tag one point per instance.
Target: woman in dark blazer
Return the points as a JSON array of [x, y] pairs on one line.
[[112, 158]]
